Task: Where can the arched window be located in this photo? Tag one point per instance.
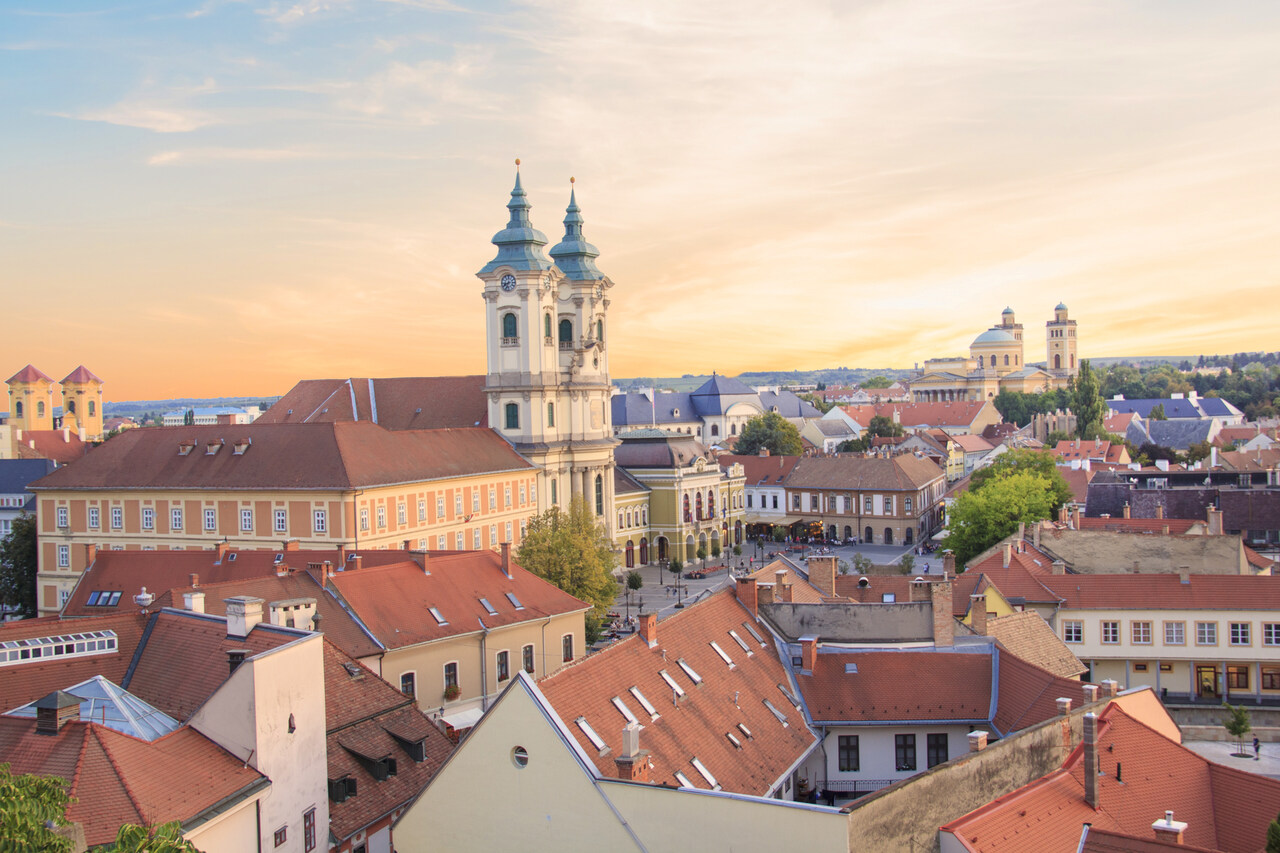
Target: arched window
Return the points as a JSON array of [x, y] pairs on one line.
[[628, 518], [566, 332], [71, 407], [546, 326], [993, 361], [620, 525], [631, 556], [1057, 362], [688, 517], [644, 550], [1006, 360], [92, 408], [600, 330], [599, 495], [551, 414], [697, 501], [509, 327], [711, 504], [17, 408], [715, 429], [888, 536], [1073, 366], [733, 429], [644, 516], [553, 494], [513, 416], [40, 408]]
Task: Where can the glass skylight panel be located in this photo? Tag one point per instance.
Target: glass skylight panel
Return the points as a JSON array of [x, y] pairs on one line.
[[440, 620], [851, 669], [488, 607], [595, 739], [733, 740], [683, 780], [115, 599], [752, 632], [746, 731], [671, 682], [724, 657], [61, 646], [782, 718], [644, 703], [93, 598], [515, 602], [790, 696], [624, 710], [706, 774], [741, 642], [688, 670]]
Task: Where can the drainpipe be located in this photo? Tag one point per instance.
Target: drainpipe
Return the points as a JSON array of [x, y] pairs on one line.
[[484, 673]]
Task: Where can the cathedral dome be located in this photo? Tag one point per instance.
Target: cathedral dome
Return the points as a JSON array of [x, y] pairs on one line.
[[994, 336]]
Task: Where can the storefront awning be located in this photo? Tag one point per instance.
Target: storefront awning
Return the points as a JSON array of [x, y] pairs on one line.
[[464, 719]]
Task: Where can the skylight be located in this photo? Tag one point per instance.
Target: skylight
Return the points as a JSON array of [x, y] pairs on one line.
[[752, 632], [733, 740], [683, 780], [782, 718], [103, 598], [671, 682], [624, 710], [851, 669], [62, 646], [746, 731], [515, 602], [489, 607], [440, 620], [595, 739], [644, 703], [724, 657], [688, 670], [790, 696], [706, 774], [741, 642]]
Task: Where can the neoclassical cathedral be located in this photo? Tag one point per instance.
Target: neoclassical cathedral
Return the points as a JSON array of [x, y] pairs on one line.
[[997, 363]]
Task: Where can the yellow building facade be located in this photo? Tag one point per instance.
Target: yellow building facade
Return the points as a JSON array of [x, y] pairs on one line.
[[34, 401]]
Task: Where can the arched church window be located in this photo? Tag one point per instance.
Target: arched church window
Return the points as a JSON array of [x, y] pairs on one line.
[[513, 416], [508, 328], [71, 407], [715, 429], [599, 494], [733, 429], [1006, 361], [40, 408], [91, 408], [993, 361], [711, 504], [17, 408], [600, 330], [697, 501], [1057, 362], [566, 332], [546, 325]]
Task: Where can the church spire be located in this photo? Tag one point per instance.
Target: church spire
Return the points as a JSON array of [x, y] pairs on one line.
[[519, 244], [575, 257]]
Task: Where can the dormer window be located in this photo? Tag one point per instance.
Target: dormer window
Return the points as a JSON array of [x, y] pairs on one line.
[[186, 447], [213, 447], [241, 445]]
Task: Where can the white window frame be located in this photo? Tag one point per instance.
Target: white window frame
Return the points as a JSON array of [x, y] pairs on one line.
[[1240, 633], [1072, 627], [1140, 632], [1271, 633], [63, 517], [117, 518], [246, 520], [175, 518], [95, 517], [1206, 633], [64, 556], [402, 513], [280, 520], [148, 518], [1175, 633], [320, 521], [1109, 627], [210, 519]]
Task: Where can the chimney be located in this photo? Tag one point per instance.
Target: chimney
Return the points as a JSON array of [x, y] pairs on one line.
[[782, 589], [506, 559], [649, 629], [1008, 554], [949, 564], [90, 554], [977, 741], [1160, 507], [746, 588], [1064, 706], [764, 594], [1215, 521], [1036, 534], [978, 613], [235, 657], [919, 590], [1126, 510], [1165, 529], [764, 451], [56, 710], [632, 762], [66, 435], [1184, 574], [822, 574], [193, 601], [1022, 530], [1062, 514], [291, 545], [356, 562], [222, 548], [943, 622], [1137, 567], [1075, 517], [342, 556], [809, 653], [1110, 688], [1058, 567], [193, 580], [1090, 693], [1091, 759], [1169, 830], [243, 613]]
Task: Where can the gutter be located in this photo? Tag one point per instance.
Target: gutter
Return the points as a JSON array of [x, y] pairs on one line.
[[224, 805]]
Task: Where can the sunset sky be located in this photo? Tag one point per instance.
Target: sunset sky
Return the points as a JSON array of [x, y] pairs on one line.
[[223, 197]]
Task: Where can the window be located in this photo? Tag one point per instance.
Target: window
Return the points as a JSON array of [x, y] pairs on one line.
[[513, 416], [402, 513], [1271, 633], [475, 500], [282, 835], [849, 759], [210, 519], [64, 517], [408, 684], [1141, 633], [320, 521], [1206, 633], [936, 749], [451, 676], [1238, 677], [439, 507], [458, 544], [904, 750], [493, 497], [457, 502], [382, 516], [1240, 635], [566, 334], [493, 534], [867, 505], [246, 520], [1073, 631], [64, 556], [117, 517], [504, 665], [475, 539], [527, 654], [509, 337], [309, 830], [280, 520], [600, 330], [148, 518], [906, 505], [1271, 678], [1110, 632], [506, 497], [1175, 633], [175, 519], [553, 493], [94, 516], [508, 539], [795, 500], [551, 414], [422, 509], [522, 494], [599, 494], [364, 518], [546, 327], [566, 646]]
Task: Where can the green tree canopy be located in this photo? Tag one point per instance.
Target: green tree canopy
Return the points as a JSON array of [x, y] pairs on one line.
[[571, 549], [982, 517], [817, 402], [770, 430], [877, 382], [1087, 403], [1237, 724], [31, 807], [142, 839], [1038, 462], [18, 566]]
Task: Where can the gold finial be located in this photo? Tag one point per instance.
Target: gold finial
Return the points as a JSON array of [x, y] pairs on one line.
[[517, 162], [571, 180]]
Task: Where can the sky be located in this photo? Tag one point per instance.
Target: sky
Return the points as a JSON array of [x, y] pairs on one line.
[[223, 197]]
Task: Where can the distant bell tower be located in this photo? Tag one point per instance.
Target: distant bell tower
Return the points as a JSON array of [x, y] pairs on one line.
[[31, 399], [82, 403], [1060, 344], [548, 365]]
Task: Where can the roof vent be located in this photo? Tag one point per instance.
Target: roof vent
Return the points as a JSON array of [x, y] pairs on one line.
[[851, 669]]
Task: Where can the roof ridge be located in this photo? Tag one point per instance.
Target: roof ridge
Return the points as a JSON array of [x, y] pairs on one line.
[[119, 772]]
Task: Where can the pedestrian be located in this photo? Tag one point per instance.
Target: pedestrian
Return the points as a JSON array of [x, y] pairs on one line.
[[1257, 747]]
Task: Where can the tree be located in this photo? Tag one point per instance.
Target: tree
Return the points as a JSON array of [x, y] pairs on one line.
[[570, 549], [1273, 836], [885, 427], [771, 431], [1237, 725], [817, 402], [159, 839], [18, 566], [1157, 413], [907, 563], [1087, 403], [715, 550], [861, 563], [31, 809], [982, 517], [877, 382], [1038, 462], [634, 582]]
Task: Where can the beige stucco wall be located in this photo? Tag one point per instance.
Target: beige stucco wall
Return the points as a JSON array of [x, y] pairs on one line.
[[233, 832]]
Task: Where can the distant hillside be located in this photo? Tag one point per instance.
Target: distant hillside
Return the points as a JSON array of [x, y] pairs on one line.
[[138, 409], [829, 376]]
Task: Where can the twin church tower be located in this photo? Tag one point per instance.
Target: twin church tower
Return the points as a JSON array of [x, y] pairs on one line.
[[547, 379]]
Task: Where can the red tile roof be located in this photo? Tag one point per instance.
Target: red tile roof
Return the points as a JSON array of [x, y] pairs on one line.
[[286, 456], [1026, 635], [1078, 479], [898, 686], [1023, 578], [899, 473], [61, 447], [117, 779], [30, 681], [953, 414], [700, 725], [1224, 808], [81, 374], [1101, 450], [414, 402], [1028, 694], [761, 470], [1167, 592], [1177, 526], [394, 601], [1105, 841], [28, 374]]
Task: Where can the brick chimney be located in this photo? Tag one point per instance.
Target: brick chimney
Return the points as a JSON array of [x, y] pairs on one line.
[[1215, 521], [809, 653], [1062, 514], [1007, 554], [764, 451], [1090, 693], [1125, 514], [1075, 517], [1110, 688], [746, 589], [978, 613], [764, 593], [1058, 567], [1091, 759], [291, 545], [978, 741], [822, 573], [1064, 706], [193, 601], [1160, 511], [356, 562], [1169, 830], [506, 559], [243, 613], [632, 762], [222, 548], [782, 589], [1036, 534], [649, 629], [943, 621], [193, 580], [90, 554], [949, 564]]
